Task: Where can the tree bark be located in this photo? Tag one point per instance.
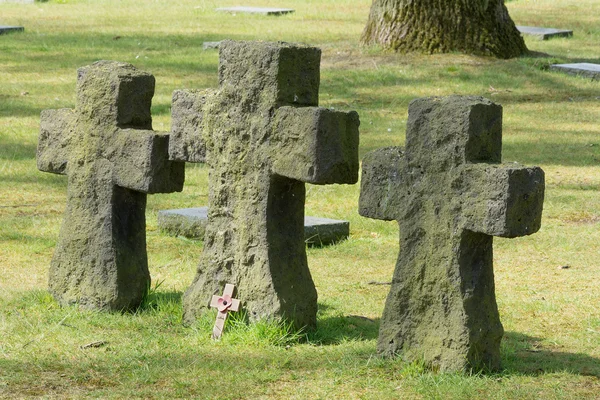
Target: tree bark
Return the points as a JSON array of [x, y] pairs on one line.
[[440, 26]]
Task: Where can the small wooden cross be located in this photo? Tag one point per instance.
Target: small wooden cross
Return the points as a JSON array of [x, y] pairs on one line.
[[223, 304]]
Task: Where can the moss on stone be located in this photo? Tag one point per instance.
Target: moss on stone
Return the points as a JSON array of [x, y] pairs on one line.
[[449, 194], [264, 138], [100, 260]]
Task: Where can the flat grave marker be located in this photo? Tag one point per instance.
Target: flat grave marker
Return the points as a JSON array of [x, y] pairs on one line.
[[8, 29], [544, 33], [257, 10], [581, 69], [211, 45], [191, 223]]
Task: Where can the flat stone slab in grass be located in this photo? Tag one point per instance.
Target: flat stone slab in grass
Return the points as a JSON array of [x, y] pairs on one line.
[[7, 29], [191, 223], [187, 222], [210, 45], [257, 10], [544, 33], [324, 231], [583, 69]]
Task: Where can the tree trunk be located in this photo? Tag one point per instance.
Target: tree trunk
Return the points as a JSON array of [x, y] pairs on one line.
[[440, 26]]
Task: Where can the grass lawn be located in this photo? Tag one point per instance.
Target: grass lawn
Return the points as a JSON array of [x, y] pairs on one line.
[[551, 315]]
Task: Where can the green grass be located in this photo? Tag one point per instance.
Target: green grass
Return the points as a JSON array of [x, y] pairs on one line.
[[551, 348]]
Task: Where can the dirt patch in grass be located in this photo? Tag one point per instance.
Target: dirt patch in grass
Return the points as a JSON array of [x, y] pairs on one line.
[[581, 219]]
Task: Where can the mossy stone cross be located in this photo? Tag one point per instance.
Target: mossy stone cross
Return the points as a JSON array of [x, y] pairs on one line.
[[262, 136], [450, 194], [112, 158]]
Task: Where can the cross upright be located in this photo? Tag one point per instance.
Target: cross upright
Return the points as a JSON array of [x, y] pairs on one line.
[[262, 136], [113, 159], [450, 194]]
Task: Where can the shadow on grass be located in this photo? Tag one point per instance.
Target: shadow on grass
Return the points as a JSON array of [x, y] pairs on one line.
[[550, 59], [160, 54], [335, 329], [88, 47], [155, 300], [157, 372], [13, 150], [331, 330], [371, 92], [15, 106], [523, 354], [554, 152]]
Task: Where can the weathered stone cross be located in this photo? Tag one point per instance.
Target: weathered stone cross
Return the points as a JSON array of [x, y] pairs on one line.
[[263, 137], [224, 304], [450, 196], [112, 158]]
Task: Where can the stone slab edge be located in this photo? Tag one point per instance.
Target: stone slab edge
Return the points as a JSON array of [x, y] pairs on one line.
[[581, 69], [7, 29], [257, 10], [211, 45], [191, 222], [544, 33]]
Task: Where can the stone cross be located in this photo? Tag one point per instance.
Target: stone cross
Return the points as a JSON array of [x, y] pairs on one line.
[[224, 304], [262, 136], [112, 159], [450, 194]]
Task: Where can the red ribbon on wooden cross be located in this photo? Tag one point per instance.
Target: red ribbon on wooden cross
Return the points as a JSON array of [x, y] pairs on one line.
[[224, 304]]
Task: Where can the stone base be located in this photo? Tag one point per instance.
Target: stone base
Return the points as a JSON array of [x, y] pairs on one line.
[[191, 223], [257, 10], [583, 69], [544, 33], [7, 29]]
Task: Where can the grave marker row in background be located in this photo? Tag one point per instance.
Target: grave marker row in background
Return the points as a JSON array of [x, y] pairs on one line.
[[257, 10], [8, 29]]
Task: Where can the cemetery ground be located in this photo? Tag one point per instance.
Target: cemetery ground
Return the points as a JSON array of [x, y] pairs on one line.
[[547, 284]]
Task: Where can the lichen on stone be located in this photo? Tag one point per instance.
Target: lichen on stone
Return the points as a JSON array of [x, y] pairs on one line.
[[112, 159], [450, 194], [264, 136]]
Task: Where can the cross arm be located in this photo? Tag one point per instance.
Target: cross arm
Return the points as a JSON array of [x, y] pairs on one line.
[[382, 195], [501, 200], [141, 162], [316, 145], [56, 131], [186, 143], [227, 293]]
